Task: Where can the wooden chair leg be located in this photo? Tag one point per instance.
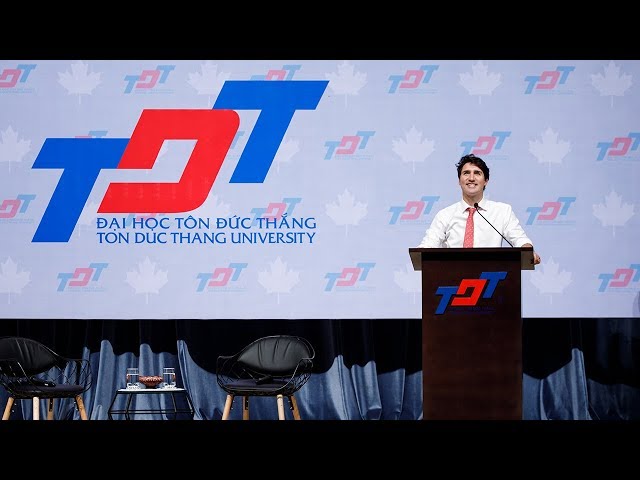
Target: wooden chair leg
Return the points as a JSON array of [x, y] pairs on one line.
[[245, 408], [294, 407], [50, 409], [81, 409], [227, 407], [280, 400], [36, 408], [7, 409]]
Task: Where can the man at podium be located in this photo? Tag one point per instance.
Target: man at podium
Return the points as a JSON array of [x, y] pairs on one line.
[[475, 221]]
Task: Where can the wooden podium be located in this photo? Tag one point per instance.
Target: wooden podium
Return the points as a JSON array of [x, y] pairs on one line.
[[472, 331]]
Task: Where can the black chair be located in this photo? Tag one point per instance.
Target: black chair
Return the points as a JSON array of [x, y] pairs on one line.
[[275, 366], [31, 370]]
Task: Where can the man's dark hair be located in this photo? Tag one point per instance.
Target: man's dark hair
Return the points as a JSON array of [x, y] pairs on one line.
[[477, 161]]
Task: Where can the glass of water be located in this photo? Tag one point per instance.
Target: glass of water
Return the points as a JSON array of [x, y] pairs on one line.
[[169, 377], [133, 376]]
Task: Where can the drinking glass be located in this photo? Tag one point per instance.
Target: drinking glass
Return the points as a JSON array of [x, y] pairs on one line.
[[169, 377], [133, 376]]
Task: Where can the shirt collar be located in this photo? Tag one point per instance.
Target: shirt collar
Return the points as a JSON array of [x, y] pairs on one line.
[[482, 204]]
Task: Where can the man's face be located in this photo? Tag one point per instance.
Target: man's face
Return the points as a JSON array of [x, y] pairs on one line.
[[472, 180]]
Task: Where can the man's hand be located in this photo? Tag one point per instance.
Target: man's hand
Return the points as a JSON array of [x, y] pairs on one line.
[[536, 257]]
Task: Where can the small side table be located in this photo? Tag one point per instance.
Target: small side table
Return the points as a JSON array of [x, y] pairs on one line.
[[128, 395]]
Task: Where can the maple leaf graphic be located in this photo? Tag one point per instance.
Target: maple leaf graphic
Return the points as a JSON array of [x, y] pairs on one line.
[[412, 148], [208, 81], [79, 81], [549, 149], [346, 212], [480, 82], [11, 280], [409, 280], [279, 280], [548, 278], [613, 213], [611, 83], [12, 149], [285, 153], [147, 280], [346, 81]]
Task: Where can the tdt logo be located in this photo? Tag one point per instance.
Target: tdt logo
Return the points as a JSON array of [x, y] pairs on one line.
[[10, 77], [348, 276], [458, 297], [411, 79], [348, 144], [621, 278], [285, 73], [148, 79], [619, 147], [548, 80], [81, 276], [275, 210], [82, 159], [413, 209], [10, 207], [486, 144], [220, 277], [550, 210]]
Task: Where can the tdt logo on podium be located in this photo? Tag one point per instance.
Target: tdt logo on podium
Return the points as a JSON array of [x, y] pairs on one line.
[[457, 296]]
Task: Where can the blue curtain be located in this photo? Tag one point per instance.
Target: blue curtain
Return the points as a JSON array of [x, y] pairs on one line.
[[574, 369]]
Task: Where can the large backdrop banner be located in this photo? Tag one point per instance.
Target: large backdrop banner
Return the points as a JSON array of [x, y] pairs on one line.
[[294, 189]]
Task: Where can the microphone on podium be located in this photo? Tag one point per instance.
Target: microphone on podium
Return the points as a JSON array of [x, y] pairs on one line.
[[475, 205]]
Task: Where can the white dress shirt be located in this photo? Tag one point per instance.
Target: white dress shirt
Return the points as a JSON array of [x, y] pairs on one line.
[[447, 228]]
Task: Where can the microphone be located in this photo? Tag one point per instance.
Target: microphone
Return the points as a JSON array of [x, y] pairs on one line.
[[475, 205]]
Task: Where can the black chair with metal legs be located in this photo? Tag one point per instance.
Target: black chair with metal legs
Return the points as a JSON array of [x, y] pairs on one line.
[[31, 370], [274, 366]]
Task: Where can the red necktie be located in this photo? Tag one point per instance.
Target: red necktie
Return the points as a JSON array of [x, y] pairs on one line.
[[468, 231]]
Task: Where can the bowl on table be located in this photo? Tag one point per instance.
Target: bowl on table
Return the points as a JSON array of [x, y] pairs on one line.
[[150, 381]]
